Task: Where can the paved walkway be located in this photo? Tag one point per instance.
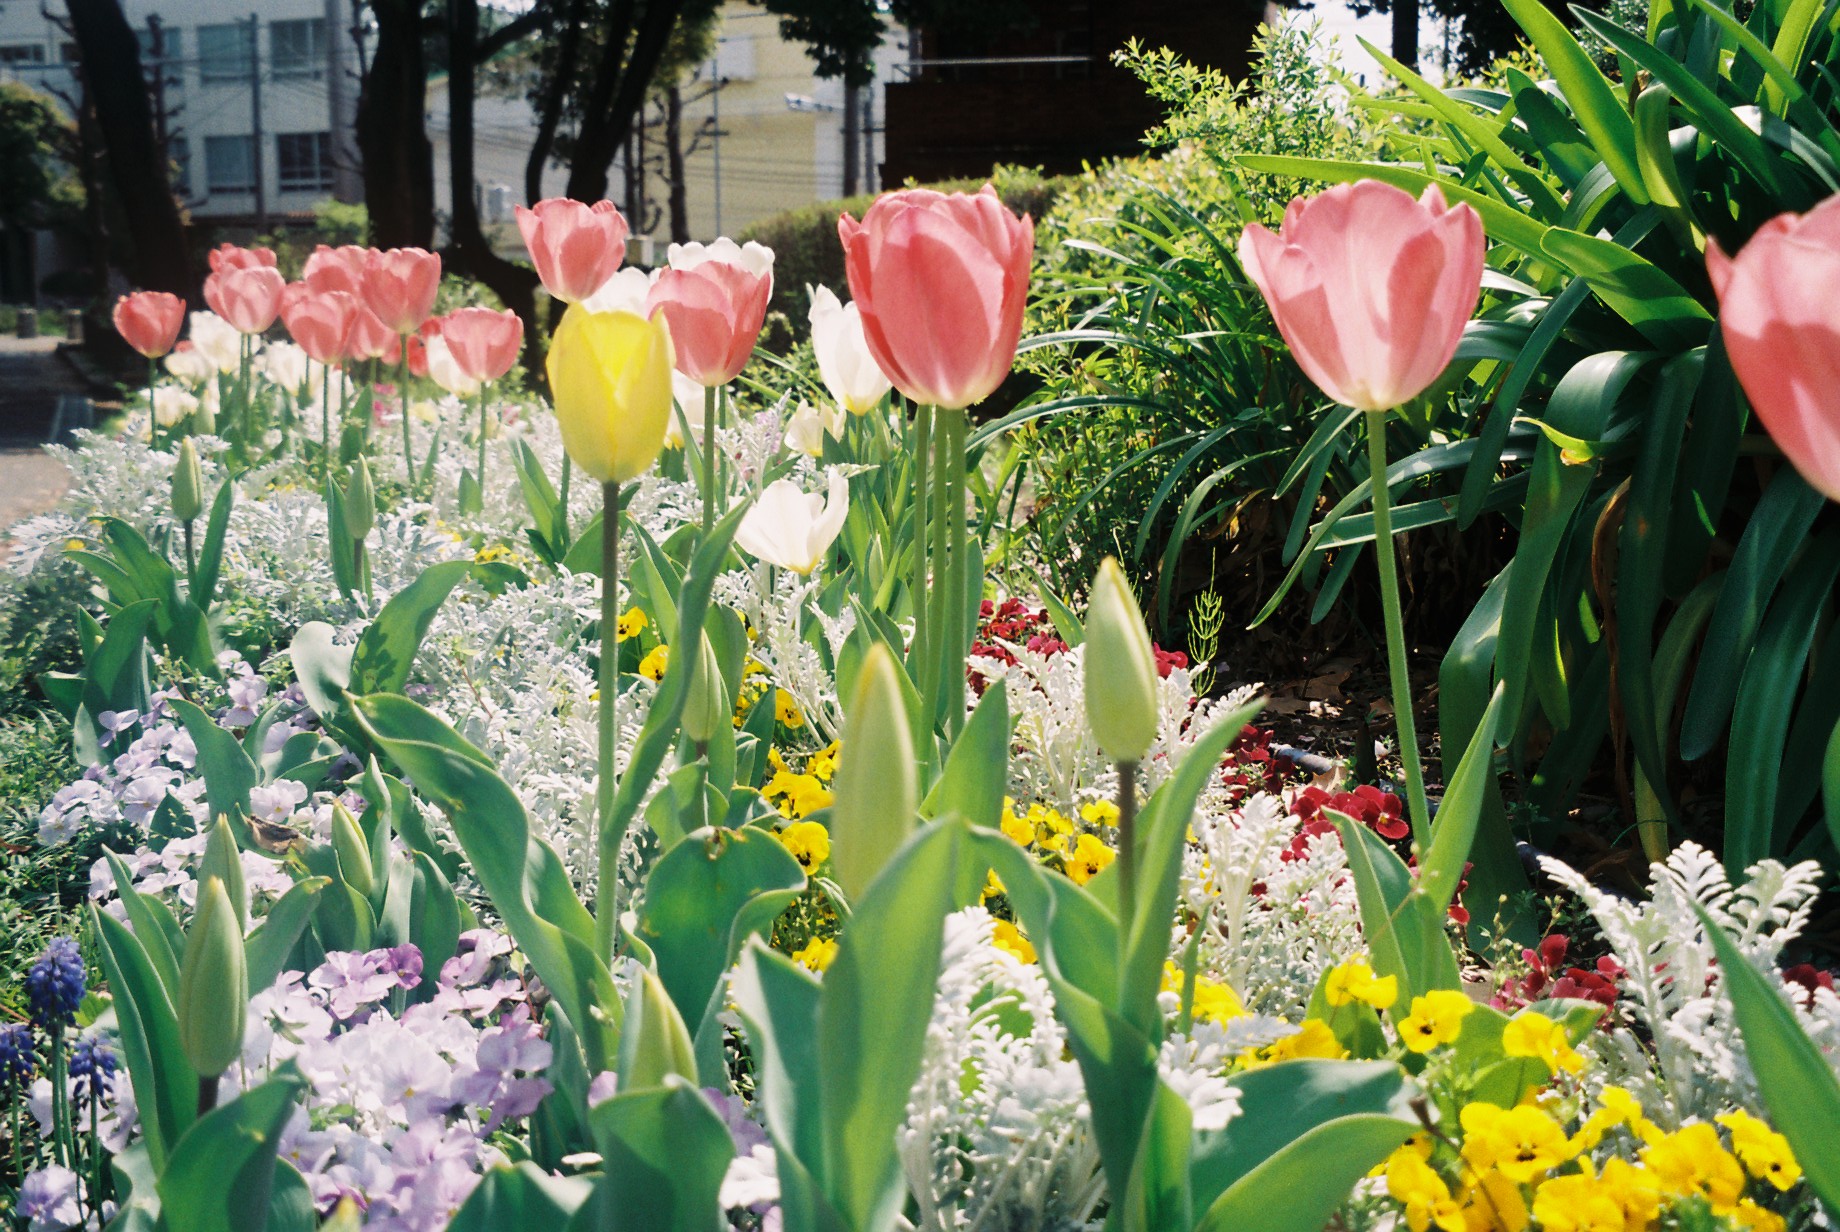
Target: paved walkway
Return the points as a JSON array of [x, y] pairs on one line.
[[32, 378]]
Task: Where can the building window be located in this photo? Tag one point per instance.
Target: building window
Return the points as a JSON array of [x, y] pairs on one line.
[[12, 55], [298, 48], [303, 161], [224, 52], [179, 154], [172, 44], [229, 164]]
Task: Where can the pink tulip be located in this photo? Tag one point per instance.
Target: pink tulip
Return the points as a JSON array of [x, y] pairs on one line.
[[370, 337], [320, 321], [714, 299], [941, 281], [247, 296], [484, 343], [149, 321], [400, 286], [1370, 287], [576, 247], [337, 269], [230, 256], [1776, 314]]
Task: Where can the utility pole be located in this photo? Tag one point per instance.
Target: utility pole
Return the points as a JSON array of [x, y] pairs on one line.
[[871, 173], [715, 115], [850, 152], [255, 120]]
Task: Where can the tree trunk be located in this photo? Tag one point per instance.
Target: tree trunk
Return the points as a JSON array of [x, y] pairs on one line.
[[674, 155], [1405, 33], [549, 115], [111, 60], [618, 91], [470, 253], [392, 134]]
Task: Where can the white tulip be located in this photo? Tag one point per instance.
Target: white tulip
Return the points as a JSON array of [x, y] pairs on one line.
[[624, 292], [808, 427], [689, 409], [217, 340], [790, 529], [188, 363], [172, 404], [849, 371], [444, 371], [756, 259], [285, 365]]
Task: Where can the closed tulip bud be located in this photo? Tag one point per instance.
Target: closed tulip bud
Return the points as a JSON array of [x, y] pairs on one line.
[[708, 705], [224, 861], [149, 321], [353, 852], [204, 419], [213, 985], [360, 500], [654, 1042], [876, 792], [1120, 669], [187, 483], [610, 375]]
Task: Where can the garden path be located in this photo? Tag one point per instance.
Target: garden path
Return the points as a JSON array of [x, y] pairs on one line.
[[32, 378]]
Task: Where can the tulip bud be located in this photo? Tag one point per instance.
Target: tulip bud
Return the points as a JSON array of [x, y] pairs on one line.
[[353, 852], [360, 500], [187, 483], [876, 794], [204, 419], [1120, 669], [707, 706], [213, 985], [610, 373], [653, 1040], [224, 861]]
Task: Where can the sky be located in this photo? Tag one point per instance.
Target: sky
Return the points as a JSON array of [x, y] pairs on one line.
[[1376, 28]]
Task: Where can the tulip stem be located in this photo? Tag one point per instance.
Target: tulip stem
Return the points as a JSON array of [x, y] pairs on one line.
[[482, 444], [607, 892], [402, 409], [709, 458], [1127, 846], [923, 439], [153, 420], [325, 425], [191, 558], [562, 501], [959, 568], [1397, 666]]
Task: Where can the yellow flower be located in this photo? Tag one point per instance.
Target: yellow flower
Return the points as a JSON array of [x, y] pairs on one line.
[[1532, 1034], [1520, 1143], [1313, 1039], [816, 954], [1748, 1214], [1354, 980], [1214, 1001], [1615, 1107], [800, 795], [1016, 829], [786, 710], [1691, 1161], [1007, 937], [1636, 1189], [1493, 1203], [1764, 1152], [993, 886], [1579, 1203], [652, 665], [1099, 813], [1088, 856], [610, 379], [1436, 1018], [823, 763], [1410, 1181], [631, 624], [809, 843]]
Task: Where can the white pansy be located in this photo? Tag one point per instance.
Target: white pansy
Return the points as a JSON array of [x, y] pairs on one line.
[[624, 292], [217, 341], [788, 528], [809, 425], [756, 259], [849, 371]]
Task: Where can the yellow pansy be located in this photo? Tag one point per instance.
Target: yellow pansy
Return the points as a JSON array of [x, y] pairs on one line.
[[610, 380], [1532, 1034], [1413, 1184], [1312, 1039], [809, 843], [1213, 1001], [1436, 1018], [1764, 1152], [1493, 1203], [1088, 856], [1615, 1107], [1691, 1161], [1354, 980], [1099, 813], [1748, 1214], [993, 886], [631, 623], [1007, 937], [1521, 1143], [816, 954], [823, 763], [1016, 829], [653, 664], [786, 710], [1578, 1203], [1636, 1189]]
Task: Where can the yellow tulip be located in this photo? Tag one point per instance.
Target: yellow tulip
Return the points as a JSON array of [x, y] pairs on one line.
[[610, 376]]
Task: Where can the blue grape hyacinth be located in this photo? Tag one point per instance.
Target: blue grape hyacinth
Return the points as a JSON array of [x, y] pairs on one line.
[[18, 1058], [54, 985], [92, 1068]]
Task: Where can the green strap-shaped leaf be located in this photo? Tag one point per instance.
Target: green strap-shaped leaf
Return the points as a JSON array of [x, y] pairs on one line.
[[153, 924], [386, 649], [165, 1086], [1403, 925], [520, 1197], [664, 1152], [1593, 99], [1562, 144], [1641, 293], [1795, 1079], [977, 767], [203, 588], [220, 1176], [273, 940], [323, 669], [1460, 812], [1300, 1186], [228, 772]]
